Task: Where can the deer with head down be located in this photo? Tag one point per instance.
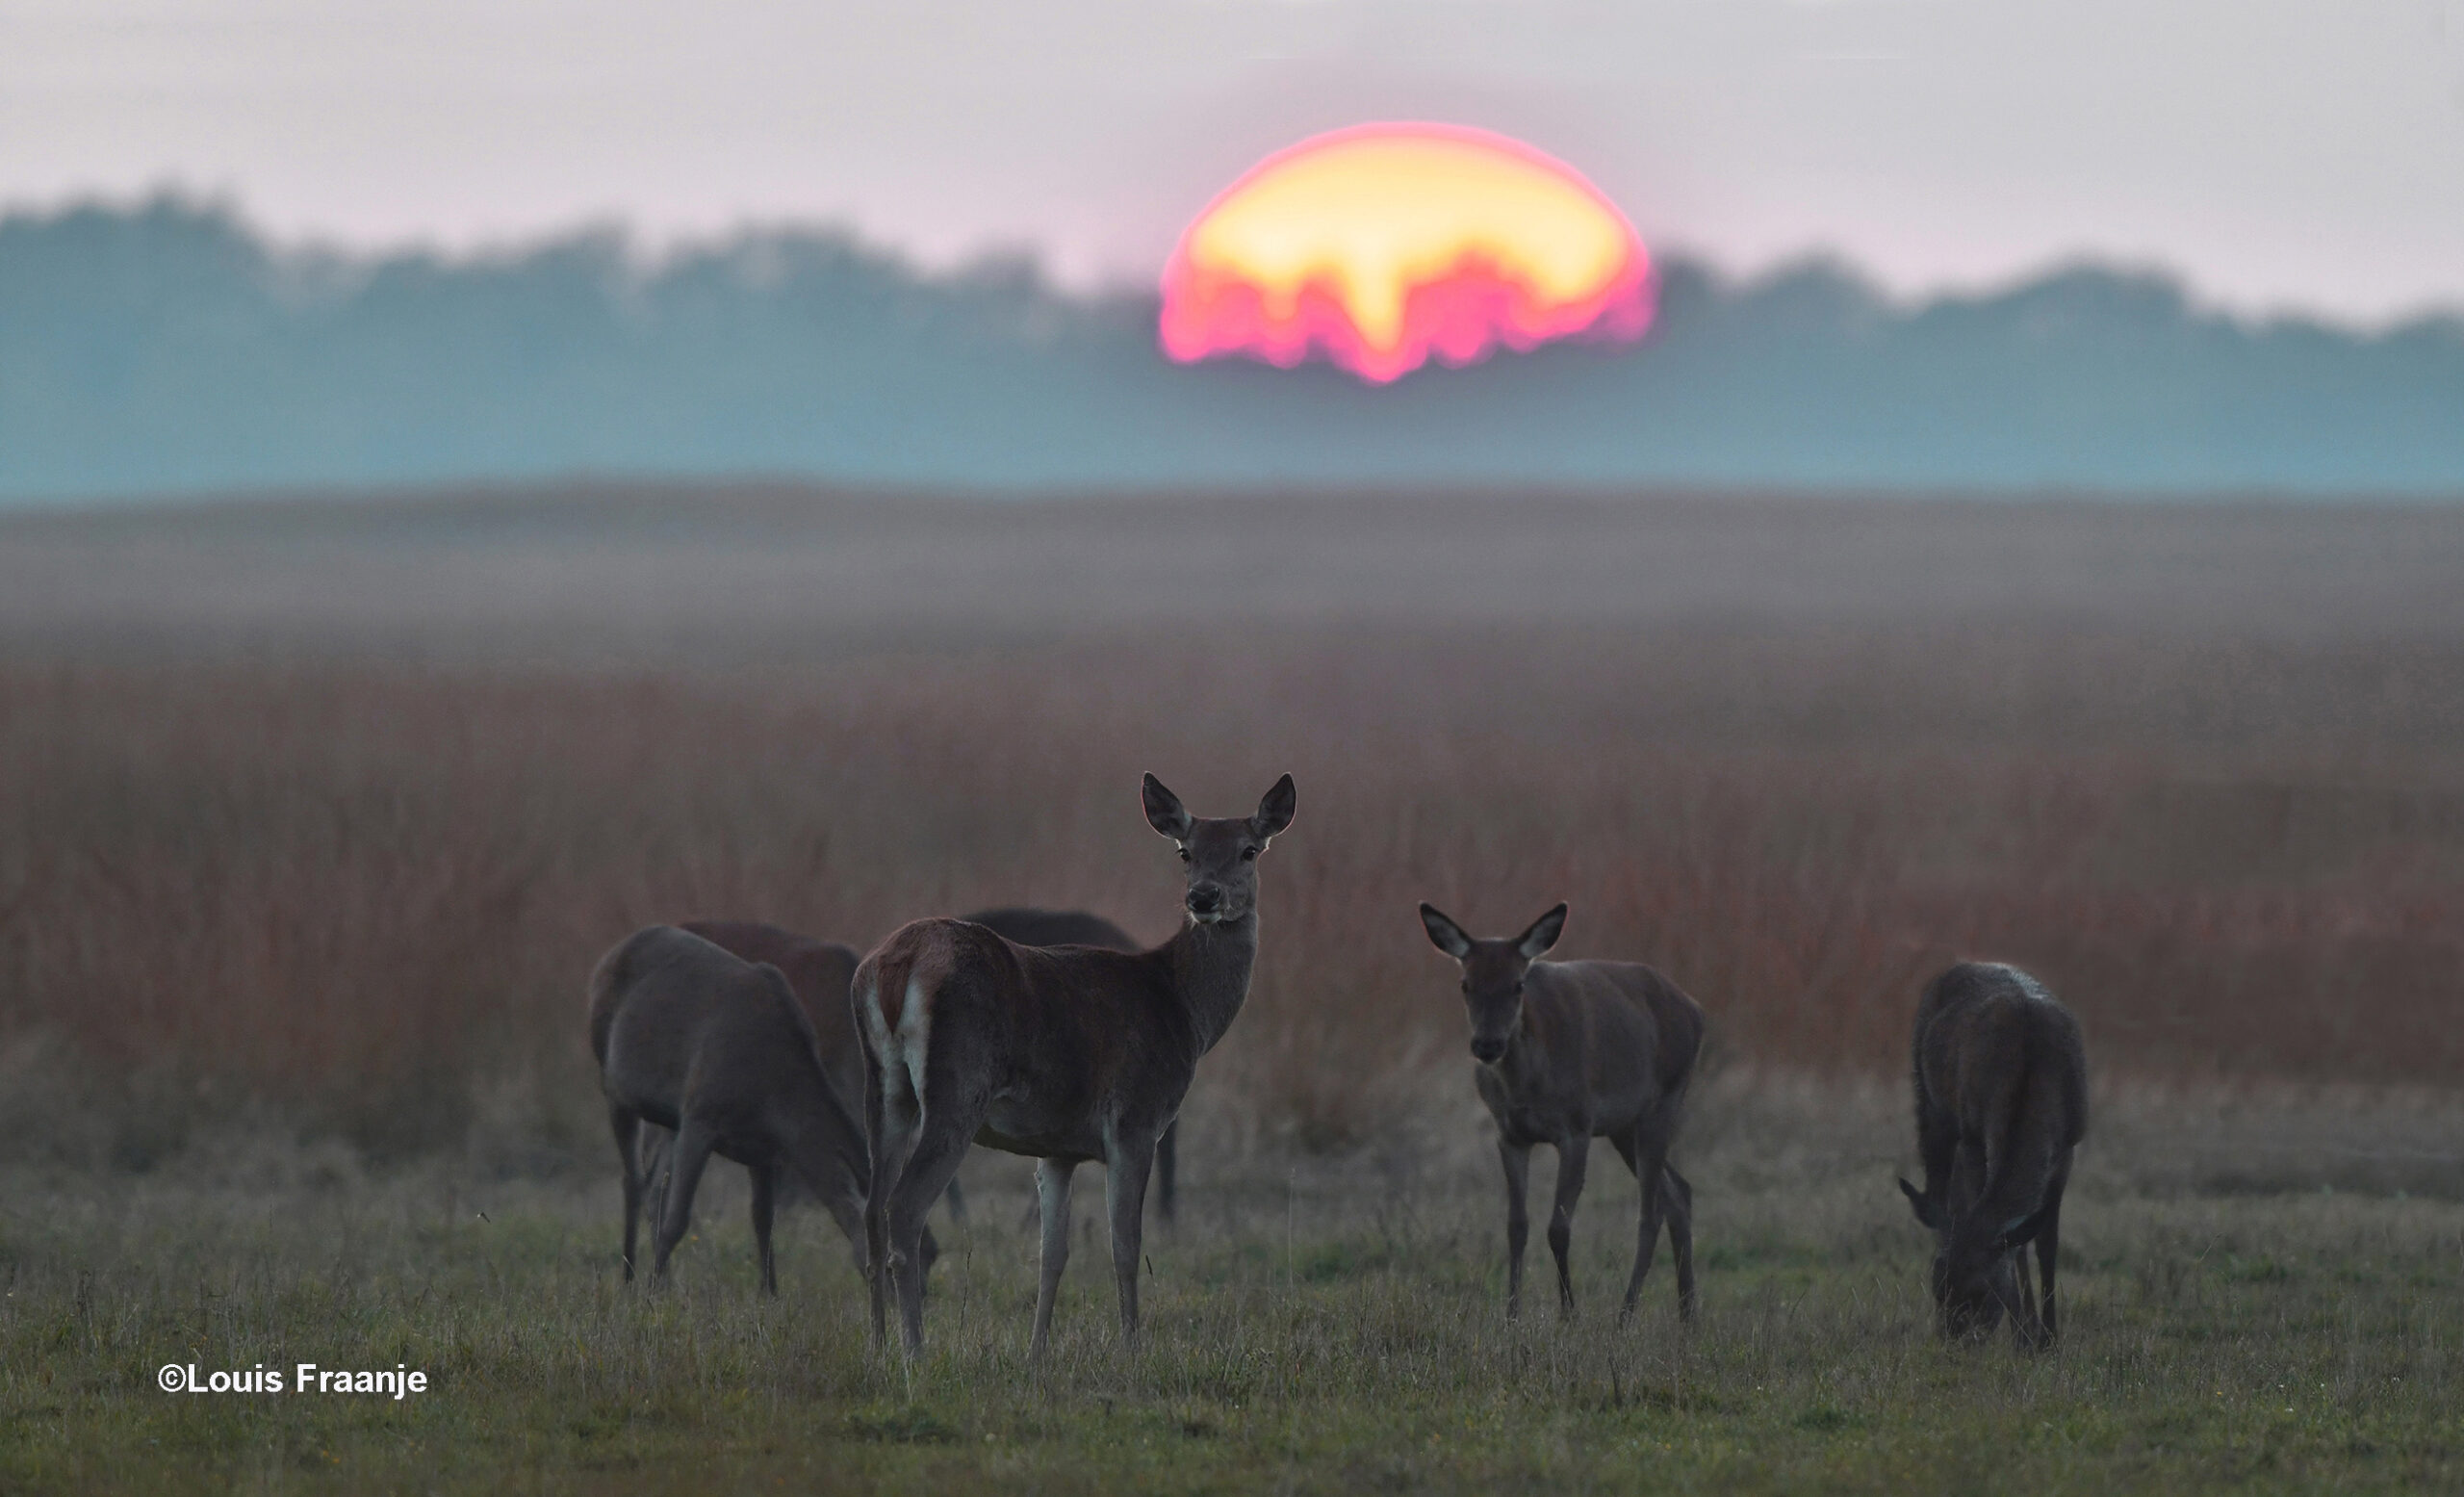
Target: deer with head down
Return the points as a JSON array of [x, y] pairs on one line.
[[2001, 1080], [693, 1038], [1567, 1052], [1063, 1054]]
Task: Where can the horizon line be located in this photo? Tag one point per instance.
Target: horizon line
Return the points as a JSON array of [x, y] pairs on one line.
[[648, 253]]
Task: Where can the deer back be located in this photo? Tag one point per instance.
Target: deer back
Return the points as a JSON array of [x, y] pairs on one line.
[[821, 972], [684, 1026], [1034, 927], [1618, 1035]]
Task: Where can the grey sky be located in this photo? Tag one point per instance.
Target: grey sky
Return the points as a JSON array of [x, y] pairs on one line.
[[2304, 153]]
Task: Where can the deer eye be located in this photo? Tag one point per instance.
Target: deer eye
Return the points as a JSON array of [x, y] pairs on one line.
[[1185, 854], [1249, 855]]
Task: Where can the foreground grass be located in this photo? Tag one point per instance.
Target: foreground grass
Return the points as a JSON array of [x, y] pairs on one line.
[[1338, 1334]]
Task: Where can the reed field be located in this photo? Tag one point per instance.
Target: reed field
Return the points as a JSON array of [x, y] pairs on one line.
[[315, 816]]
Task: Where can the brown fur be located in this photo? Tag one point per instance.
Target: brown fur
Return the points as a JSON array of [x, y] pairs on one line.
[[693, 1038], [821, 971], [1065, 1055], [2001, 1084], [1033, 927], [1570, 1051]]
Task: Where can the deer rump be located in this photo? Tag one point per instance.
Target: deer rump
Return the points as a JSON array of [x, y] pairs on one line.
[[1056, 1018], [2000, 1075]]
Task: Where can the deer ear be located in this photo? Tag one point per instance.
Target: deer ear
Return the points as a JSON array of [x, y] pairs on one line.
[[1275, 810], [1917, 1204], [1165, 812], [1542, 934], [2022, 1230], [1444, 934]]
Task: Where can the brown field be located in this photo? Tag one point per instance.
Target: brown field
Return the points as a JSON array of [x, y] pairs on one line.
[[328, 809], [312, 819]]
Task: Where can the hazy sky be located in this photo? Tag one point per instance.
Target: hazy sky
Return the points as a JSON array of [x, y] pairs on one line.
[[2304, 153]]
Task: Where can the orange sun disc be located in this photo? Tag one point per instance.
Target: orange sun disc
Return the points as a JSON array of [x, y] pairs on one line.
[[1385, 245]]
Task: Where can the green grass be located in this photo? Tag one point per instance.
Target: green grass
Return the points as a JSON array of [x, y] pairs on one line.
[[1309, 1329]]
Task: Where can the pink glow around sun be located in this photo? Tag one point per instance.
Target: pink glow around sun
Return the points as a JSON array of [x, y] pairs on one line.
[[1383, 245]]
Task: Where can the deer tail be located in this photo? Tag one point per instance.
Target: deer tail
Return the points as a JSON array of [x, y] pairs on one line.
[[606, 984]]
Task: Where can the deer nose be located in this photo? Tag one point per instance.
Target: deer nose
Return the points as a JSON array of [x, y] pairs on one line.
[[1205, 899], [1486, 1052]]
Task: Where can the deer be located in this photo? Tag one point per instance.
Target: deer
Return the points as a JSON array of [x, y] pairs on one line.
[[820, 972], [823, 972], [2001, 1082], [694, 1039], [1032, 927], [1569, 1052], [1063, 1054]]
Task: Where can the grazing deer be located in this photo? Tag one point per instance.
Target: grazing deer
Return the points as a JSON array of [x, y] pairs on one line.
[[2001, 1081], [1063, 1054], [820, 972], [1030, 927], [693, 1038], [1570, 1051]]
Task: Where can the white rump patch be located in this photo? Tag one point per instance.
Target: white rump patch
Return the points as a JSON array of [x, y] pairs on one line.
[[915, 1032], [2027, 984]]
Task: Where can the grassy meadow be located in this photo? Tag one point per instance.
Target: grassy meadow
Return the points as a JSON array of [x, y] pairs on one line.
[[1327, 1328], [314, 817]]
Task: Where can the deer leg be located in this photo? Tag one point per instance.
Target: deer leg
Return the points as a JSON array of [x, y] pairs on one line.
[[1677, 1203], [1168, 1162], [2048, 1251], [1517, 1160], [1125, 1172], [1052, 1196], [888, 1151], [1651, 1170], [656, 1147], [764, 1176], [626, 1127], [941, 1143], [1624, 1142], [1571, 1156], [2023, 1312], [686, 1158]]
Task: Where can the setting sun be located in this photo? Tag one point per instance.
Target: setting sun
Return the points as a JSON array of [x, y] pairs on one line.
[[1381, 245]]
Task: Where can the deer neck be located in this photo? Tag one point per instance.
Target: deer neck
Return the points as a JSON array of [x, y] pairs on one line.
[[820, 1134], [1524, 1066], [1209, 966]]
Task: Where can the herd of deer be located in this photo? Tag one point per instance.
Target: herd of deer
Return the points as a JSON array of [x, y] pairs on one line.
[[1054, 1036]]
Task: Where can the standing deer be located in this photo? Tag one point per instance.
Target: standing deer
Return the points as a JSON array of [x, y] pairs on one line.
[[1065, 1055], [693, 1038], [1030, 927], [823, 972], [1570, 1051], [2001, 1079]]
